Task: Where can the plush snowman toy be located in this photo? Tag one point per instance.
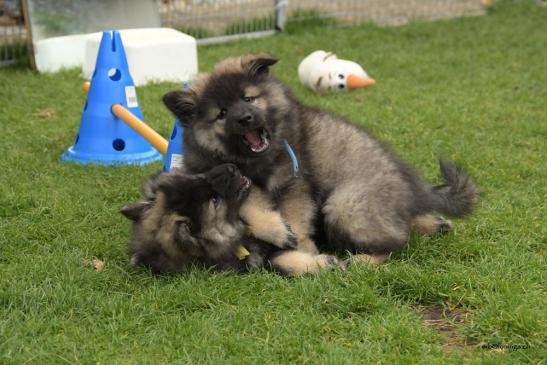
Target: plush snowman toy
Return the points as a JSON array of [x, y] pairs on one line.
[[323, 71]]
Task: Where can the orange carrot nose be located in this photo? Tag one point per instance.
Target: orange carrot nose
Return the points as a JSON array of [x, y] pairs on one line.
[[354, 82]]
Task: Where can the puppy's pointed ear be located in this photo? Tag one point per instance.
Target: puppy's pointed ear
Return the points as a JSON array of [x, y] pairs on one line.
[[170, 184], [182, 103], [134, 211], [256, 65], [150, 186]]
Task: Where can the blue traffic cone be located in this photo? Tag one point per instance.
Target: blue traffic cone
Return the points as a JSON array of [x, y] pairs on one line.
[[175, 149], [102, 137]]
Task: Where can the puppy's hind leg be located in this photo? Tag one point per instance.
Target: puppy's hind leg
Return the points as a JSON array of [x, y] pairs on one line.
[[296, 263], [367, 219], [429, 224], [365, 259]]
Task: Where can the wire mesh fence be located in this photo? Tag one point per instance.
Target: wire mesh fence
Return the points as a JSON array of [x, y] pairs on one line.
[[391, 12], [12, 33], [219, 20]]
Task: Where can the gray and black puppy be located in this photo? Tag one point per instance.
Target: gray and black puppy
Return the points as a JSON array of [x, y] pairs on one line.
[[368, 198], [195, 219]]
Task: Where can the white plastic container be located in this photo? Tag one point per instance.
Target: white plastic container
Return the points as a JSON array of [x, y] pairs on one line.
[[52, 54], [153, 54]]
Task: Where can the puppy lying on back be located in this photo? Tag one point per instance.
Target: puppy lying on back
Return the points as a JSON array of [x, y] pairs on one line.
[[213, 219]]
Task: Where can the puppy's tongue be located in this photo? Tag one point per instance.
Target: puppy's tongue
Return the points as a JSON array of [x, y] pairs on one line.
[[253, 137]]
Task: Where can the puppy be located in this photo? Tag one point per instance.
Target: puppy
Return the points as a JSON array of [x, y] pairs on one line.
[[194, 219], [368, 199]]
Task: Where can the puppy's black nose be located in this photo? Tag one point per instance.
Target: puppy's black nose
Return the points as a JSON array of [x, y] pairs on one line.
[[246, 119]]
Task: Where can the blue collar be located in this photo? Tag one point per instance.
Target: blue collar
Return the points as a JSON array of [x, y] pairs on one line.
[[292, 156]]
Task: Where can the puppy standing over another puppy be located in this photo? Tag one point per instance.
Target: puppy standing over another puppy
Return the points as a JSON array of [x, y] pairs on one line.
[[369, 199]]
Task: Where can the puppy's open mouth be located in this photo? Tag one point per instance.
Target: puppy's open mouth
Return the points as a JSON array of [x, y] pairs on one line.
[[244, 185], [258, 140], [244, 182]]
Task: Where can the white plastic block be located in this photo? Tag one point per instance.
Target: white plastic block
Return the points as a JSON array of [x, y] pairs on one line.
[[153, 54], [52, 54]]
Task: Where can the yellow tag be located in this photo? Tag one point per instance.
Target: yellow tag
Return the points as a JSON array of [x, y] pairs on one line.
[[242, 252]]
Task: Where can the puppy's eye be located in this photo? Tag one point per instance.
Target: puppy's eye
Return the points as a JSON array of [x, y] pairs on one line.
[[222, 113], [340, 76], [249, 99], [216, 200]]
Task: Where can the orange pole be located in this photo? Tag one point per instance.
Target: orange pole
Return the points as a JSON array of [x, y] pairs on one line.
[[138, 125], [141, 128]]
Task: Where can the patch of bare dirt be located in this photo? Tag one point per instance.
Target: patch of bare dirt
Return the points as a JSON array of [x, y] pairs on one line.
[[445, 322]]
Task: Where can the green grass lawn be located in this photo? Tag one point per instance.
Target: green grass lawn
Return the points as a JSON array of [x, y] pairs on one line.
[[473, 90]]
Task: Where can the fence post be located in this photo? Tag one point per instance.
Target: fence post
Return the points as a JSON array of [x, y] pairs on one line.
[[280, 13], [30, 45]]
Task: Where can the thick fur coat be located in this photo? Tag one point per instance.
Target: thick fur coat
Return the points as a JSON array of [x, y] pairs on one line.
[[368, 199]]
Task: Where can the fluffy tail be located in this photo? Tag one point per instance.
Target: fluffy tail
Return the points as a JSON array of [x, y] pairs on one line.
[[458, 196]]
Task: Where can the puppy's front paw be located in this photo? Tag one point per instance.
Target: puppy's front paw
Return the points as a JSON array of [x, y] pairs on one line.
[[255, 261], [270, 227], [291, 240], [280, 235]]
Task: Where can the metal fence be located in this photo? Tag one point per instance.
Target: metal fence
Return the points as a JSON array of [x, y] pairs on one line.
[[214, 21], [12, 33], [218, 20], [392, 12]]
